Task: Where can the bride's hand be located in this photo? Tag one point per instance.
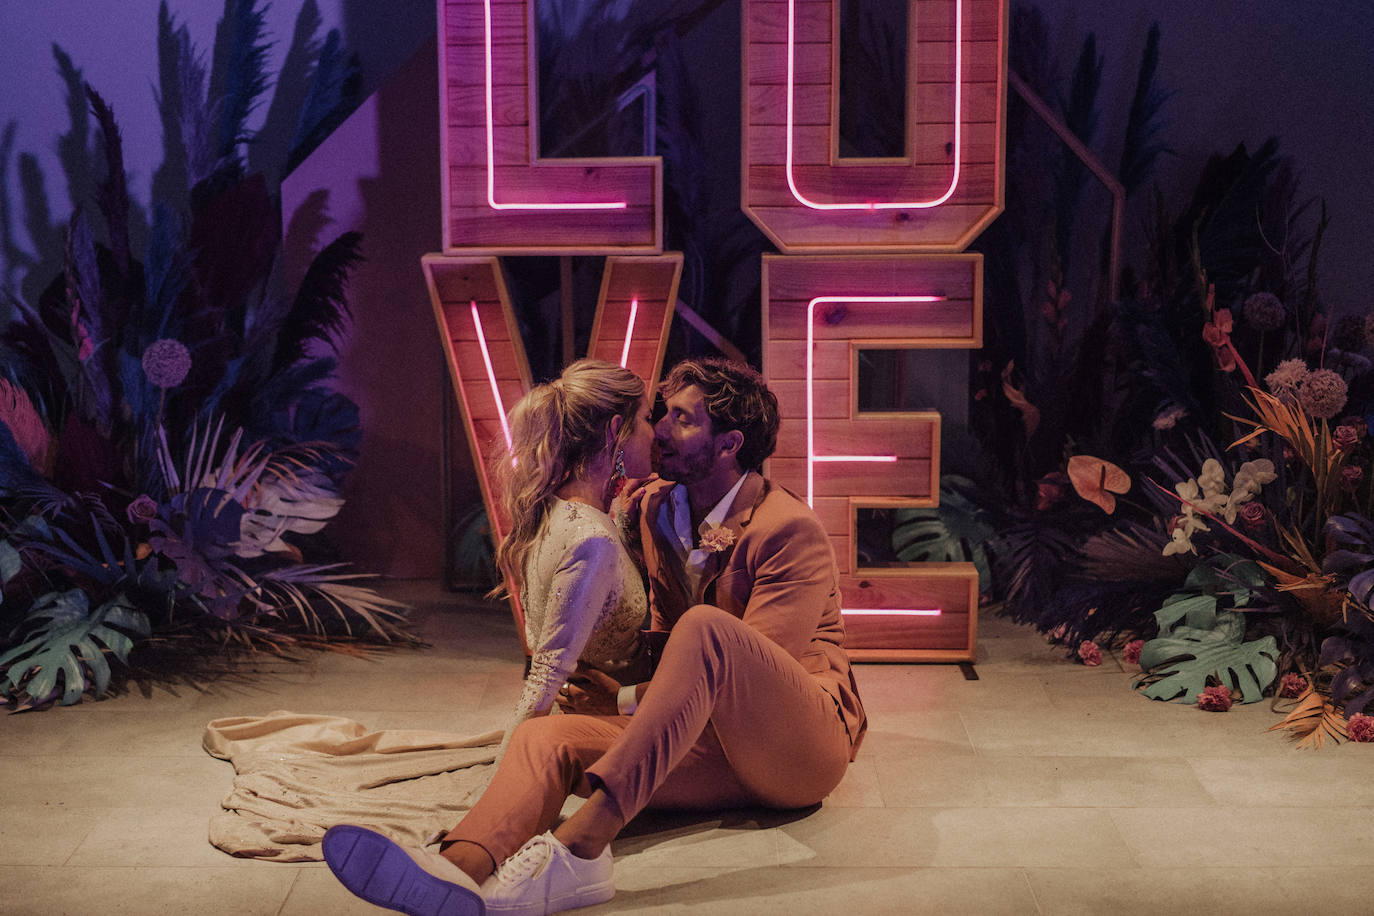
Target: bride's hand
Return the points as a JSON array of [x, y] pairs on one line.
[[590, 692], [631, 498]]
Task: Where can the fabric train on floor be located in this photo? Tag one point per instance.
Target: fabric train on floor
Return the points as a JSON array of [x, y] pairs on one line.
[[297, 775]]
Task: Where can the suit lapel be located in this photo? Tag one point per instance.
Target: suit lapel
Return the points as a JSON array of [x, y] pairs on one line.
[[750, 494]]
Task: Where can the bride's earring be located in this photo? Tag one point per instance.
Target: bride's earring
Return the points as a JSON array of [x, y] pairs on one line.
[[619, 470]]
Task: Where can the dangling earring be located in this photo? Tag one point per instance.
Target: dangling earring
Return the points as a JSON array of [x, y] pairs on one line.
[[619, 470]]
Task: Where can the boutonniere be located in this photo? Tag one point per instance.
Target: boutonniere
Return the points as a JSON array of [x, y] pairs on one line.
[[717, 539]]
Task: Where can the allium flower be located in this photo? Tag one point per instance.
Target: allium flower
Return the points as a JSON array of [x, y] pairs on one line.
[[1264, 312], [1251, 515], [1169, 417], [142, 510], [1214, 699], [1352, 475], [1345, 438], [1349, 334], [717, 539], [1322, 394], [1293, 685], [166, 362], [1131, 653], [1286, 378], [1090, 654], [1360, 728]]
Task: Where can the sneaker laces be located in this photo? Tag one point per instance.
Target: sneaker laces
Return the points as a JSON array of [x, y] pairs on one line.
[[526, 862]]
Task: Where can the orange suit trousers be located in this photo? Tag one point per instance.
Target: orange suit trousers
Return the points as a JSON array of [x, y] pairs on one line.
[[729, 720]]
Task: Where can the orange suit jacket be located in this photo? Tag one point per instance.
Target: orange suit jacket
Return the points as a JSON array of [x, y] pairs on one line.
[[779, 576]]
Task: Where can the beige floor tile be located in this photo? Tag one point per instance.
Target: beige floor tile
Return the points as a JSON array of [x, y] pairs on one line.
[[1339, 775], [959, 837], [732, 839], [670, 889], [1064, 782], [316, 891], [42, 834], [1243, 837], [1153, 891], [44, 891], [915, 733], [152, 837], [91, 782], [859, 788]]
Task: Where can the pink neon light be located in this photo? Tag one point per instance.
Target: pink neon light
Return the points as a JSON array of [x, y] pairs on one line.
[[629, 331], [491, 373], [958, 123], [811, 456], [865, 612], [491, 150]]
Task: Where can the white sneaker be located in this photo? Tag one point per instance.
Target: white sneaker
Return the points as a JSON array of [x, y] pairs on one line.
[[545, 877], [385, 873]]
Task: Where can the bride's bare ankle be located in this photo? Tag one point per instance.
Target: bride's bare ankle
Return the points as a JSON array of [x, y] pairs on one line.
[[475, 861]]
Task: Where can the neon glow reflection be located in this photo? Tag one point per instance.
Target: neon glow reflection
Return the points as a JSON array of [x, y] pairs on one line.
[[811, 457], [866, 612], [958, 123], [491, 373], [491, 147], [629, 332]]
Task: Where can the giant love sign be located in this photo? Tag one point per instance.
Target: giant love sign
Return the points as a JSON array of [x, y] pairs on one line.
[[870, 259]]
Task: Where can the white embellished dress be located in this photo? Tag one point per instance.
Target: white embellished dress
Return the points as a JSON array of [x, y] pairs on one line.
[[583, 600]]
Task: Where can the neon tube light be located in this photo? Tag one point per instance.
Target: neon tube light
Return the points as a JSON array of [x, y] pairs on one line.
[[865, 612], [491, 149], [958, 123], [629, 331], [811, 456], [491, 373]]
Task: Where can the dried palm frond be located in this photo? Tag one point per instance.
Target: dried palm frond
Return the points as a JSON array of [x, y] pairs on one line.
[[1313, 720]]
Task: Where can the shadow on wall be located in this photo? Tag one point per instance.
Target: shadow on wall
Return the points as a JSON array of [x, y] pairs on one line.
[[379, 173]]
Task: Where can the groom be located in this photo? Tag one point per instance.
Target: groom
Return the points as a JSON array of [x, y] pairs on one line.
[[751, 701]]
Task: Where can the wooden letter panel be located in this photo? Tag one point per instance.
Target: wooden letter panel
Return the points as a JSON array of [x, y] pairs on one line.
[[939, 196], [819, 312], [499, 196]]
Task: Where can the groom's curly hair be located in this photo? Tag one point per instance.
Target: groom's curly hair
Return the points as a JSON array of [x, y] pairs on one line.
[[736, 398]]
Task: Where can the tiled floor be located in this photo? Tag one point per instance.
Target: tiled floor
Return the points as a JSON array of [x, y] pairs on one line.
[[1042, 787]]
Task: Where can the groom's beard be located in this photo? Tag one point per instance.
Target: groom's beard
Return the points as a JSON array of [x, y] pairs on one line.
[[684, 467]]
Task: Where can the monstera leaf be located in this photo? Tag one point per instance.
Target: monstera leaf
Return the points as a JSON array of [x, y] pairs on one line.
[[71, 642], [1196, 642]]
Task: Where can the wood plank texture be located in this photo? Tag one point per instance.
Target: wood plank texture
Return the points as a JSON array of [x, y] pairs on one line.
[[471, 223], [928, 171]]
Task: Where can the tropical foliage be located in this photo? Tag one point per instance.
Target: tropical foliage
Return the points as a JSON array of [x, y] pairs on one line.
[[1176, 460], [169, 444]]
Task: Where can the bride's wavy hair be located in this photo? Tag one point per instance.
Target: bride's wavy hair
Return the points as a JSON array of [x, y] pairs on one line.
[[557, 431]]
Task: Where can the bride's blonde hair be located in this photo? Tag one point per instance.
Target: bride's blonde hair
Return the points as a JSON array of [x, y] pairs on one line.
[[557, 431]]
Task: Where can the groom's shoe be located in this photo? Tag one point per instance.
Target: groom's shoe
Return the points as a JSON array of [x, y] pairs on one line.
[[385, 873], [545, 877]]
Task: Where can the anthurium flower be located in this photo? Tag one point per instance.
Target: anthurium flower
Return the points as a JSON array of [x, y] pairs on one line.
[[1096, 480]]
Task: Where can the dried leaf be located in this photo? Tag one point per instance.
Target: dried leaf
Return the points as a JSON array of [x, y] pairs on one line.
[[1313, 720]]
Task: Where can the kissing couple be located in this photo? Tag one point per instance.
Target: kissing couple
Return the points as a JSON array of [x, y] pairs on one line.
[[739, 693]]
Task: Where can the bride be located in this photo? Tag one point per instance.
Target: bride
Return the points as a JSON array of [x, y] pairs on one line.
[[583, 596]]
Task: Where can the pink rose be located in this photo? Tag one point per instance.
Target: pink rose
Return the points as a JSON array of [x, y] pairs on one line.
[[1345, 438], [1251, 515], [1089, 653], [1292, 685], [1214, 699], [1132, 651], [1360, 728], [1352, 475], [142, 510]]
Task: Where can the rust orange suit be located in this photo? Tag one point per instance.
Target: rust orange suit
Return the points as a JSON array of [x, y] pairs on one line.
[[752, 702]]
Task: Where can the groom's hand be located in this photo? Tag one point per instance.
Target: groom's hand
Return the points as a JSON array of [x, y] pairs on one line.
[[590, 692]]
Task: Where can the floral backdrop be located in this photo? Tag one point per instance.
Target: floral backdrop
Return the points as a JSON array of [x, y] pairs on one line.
[[170, 446]]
